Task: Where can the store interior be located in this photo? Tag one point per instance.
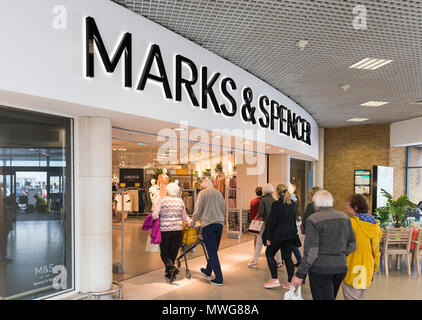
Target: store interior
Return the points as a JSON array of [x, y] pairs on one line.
[[141, 162]]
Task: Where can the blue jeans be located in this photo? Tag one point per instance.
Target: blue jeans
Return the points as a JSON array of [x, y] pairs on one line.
[[297, 254], [212, 236]]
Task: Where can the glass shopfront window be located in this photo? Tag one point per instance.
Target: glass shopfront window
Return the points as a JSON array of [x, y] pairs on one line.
[[36, 209], [301, 182], [414, 173]]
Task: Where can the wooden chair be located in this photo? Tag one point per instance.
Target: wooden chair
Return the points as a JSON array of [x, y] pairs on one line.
[[417, 253], [397, 242]]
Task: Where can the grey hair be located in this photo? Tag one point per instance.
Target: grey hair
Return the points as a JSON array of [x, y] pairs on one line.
[[206, 183], [172, 189], [323, 199], [268, 188]]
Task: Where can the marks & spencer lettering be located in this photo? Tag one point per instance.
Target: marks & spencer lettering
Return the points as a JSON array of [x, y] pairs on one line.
[[265, 114]]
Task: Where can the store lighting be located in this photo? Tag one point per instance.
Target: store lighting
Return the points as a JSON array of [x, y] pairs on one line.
[[246, 142], [370, 64], [179, 129], [281, 150], [373, 104], [357, 119]]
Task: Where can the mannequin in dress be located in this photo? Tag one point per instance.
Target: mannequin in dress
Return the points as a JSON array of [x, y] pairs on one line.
[[220, 183], [163, 181], [154, 192]]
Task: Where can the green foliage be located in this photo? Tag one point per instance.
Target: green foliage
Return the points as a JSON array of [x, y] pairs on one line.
[[394, 209], [195, 173], [207, 172], [219, 167]]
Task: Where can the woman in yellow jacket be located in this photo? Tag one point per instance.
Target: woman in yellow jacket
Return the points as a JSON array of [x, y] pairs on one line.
[[363, 262]]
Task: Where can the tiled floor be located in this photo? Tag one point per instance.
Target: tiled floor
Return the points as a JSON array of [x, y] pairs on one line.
[[137, 260], [241, 282]]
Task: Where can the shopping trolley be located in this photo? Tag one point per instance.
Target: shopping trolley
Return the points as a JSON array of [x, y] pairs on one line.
[[191, 238]]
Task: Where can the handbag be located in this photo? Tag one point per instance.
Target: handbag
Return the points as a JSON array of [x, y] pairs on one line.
[[292, 295], [152, 247], [256, 226]]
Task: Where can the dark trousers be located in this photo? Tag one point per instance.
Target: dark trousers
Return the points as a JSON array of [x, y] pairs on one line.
[[325, 286], [169, 248], [286, 248], [212, 236], [297, 254]]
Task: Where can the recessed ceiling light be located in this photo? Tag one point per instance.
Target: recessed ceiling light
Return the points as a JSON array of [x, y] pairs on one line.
[[179, 129], [345, 87], [114, 149], [357, 119], [373, 104], [416, 102], [370, 63]]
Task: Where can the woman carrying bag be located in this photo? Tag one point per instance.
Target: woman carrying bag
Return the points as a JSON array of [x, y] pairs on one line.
[[281, 234], [264, 211]]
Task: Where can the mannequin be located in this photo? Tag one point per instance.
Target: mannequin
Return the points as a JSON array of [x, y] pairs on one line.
[[154, 192], [220, 183], [163, 181]]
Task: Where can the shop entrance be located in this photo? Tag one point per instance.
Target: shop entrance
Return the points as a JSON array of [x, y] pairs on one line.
[[136, 153]]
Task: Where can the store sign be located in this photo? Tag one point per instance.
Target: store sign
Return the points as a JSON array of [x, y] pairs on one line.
[[131, 178], [262, 111]]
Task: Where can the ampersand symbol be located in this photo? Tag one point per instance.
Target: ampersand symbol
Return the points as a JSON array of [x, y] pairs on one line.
[[248, 112]]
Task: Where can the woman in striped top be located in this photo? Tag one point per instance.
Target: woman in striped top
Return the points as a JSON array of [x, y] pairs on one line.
[[172, 214]]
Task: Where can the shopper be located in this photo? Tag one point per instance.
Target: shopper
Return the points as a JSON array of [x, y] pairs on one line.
[[281, 232], [253, 212], [264, 211], [210, 209], [172, 214], [364, 262], [310, 209], [329, 240]]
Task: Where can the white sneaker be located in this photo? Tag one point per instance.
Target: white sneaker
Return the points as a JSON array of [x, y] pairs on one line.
[[252, 265], [272, 284]]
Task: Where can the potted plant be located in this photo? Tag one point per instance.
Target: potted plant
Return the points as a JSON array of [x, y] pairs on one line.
[[397, 209], [218, 167], [207, 172]]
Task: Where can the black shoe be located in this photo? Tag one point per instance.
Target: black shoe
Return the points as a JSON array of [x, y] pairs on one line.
[[173, 275], [204, 273], [216, 283], [167, 275]]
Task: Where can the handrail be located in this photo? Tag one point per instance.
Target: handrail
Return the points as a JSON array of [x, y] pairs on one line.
[[108, 292]]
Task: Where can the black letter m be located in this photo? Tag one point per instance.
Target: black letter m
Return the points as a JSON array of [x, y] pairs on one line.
[[92, 34]]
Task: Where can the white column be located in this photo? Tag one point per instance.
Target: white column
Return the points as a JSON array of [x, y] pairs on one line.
[[93, 183]]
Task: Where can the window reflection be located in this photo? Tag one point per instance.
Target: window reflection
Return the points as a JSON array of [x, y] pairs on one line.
[[35, 203]]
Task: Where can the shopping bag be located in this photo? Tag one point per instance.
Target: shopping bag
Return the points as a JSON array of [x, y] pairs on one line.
[[152, 247], [255, 226], [189, 235], [292, 295]]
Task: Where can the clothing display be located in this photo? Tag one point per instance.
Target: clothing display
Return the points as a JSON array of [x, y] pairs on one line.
[[127, 203], [220, 183], [188, 200], [232, 185], [154, 192], [163, 181], [134, 200]]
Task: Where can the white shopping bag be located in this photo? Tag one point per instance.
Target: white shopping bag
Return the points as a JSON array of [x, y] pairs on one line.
[[292, 295], [255, 226], [152, 247]]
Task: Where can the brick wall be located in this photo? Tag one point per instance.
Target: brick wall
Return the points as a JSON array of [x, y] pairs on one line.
[[359, 147]]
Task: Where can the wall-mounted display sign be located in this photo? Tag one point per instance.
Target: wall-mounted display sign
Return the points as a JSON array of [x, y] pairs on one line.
[[130, 178], [363, 182]]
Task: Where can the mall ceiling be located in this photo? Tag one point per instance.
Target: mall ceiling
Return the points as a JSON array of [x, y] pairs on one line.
[[264, 37]]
